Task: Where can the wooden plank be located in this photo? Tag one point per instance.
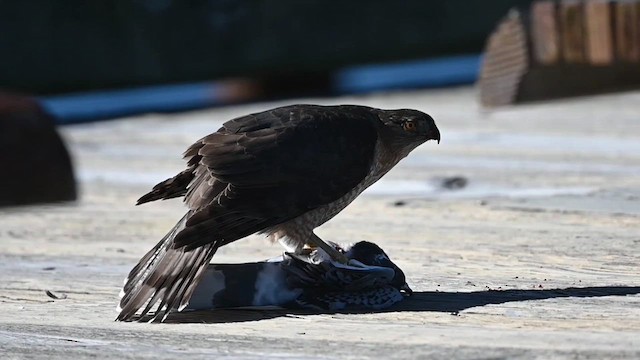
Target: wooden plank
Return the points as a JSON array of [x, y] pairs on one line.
[[572, 31], [599, 39], [478, 267], [576, 47], [544, 32], [627, 17], [506, 60]]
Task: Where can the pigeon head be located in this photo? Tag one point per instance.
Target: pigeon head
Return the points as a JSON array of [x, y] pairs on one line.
[[371, 254]]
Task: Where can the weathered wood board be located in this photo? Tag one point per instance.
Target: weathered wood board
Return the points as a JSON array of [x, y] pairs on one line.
[[555, 49], [536, 256]]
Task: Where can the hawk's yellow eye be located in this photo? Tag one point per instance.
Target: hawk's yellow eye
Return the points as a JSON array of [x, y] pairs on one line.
[[409, 126]]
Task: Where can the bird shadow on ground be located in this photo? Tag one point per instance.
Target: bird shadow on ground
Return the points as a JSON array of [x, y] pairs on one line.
[[434, 301]]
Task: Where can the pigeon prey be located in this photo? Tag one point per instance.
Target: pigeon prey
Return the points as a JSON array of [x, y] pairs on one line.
[[304, 282], [282, 173]]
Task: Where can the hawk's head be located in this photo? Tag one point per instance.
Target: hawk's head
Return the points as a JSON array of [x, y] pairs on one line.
[[409, 128]]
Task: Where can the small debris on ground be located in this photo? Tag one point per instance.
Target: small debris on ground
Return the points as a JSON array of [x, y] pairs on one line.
[[54, 296], [454, 182]]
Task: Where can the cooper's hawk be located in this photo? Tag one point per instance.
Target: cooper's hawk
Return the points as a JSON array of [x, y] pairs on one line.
[[281, 172]]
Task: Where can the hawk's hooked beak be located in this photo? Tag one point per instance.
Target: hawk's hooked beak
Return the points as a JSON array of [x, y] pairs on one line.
[[437, 134], [433, 134]]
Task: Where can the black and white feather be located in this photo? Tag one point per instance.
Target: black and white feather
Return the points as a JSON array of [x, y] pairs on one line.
[[304, 282]]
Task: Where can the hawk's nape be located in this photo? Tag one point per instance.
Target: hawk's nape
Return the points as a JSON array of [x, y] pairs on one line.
[[281, 172]]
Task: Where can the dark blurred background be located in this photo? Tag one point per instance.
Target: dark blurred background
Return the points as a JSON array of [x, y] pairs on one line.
[[284, 48], [75, 61]]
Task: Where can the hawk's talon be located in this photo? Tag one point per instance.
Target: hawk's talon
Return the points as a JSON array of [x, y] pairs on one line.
[[332, 252], [336, 255]]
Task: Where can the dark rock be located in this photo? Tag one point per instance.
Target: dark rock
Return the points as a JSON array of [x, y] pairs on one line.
[[35, 166]]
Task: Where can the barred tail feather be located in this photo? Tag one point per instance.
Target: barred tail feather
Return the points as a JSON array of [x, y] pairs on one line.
[[164, 274]]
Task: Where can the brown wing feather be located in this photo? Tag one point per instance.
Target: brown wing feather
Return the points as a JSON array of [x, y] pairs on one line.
[[305, 158], [177, 186]]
